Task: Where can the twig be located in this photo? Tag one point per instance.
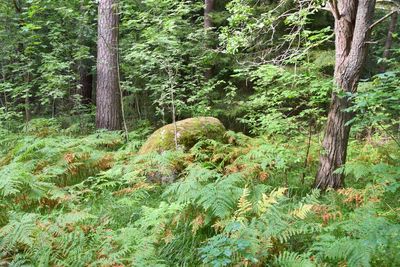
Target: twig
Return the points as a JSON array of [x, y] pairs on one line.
[[307, 153], [390, 135]]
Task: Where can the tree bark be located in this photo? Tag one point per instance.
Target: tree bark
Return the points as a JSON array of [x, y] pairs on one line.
[[108, 114], [352, 26], [389, 39], [208, 24], [208, 8]]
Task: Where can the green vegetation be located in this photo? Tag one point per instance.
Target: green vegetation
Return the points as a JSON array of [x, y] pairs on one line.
[[72, 200], [199, 133]]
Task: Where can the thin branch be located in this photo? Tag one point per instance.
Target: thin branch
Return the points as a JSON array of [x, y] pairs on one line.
[[382, 19], [390, 135]]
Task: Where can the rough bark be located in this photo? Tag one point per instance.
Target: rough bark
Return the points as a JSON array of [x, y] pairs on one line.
[[108, 114], [389, 39], [352, 26]]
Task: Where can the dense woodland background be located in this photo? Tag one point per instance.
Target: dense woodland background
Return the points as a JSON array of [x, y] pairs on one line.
[[307, 173]]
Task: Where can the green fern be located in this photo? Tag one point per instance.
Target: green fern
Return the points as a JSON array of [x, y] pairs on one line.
[[19, 232], [292, 259]]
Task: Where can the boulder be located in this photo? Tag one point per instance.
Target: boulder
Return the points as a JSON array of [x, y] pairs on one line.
[[189, 132]]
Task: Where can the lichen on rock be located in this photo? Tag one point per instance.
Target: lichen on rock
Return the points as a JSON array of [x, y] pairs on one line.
[[188, 133]]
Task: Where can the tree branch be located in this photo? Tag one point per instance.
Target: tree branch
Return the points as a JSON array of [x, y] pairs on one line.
[[382, 19], [334, 9]]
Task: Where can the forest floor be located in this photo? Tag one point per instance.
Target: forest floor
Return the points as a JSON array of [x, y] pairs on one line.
[[91, 200]]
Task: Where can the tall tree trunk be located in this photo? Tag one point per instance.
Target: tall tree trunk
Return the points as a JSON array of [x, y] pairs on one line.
[[108, 114], [352, 26], [208, 24], [86, 82], [389, 39]]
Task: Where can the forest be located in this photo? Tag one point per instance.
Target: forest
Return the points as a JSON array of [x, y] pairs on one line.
[[199, 133]]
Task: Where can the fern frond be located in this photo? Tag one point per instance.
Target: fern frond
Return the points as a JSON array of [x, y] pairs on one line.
[[302, 211], [292, 259], [19, 231], [271, 199], [244, 205]]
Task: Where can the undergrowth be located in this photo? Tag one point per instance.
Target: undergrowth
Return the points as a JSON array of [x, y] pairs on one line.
[[70, 200]]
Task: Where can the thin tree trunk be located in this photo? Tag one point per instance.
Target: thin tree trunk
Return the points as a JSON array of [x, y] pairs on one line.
[[86, 82], [352, 26], [5, 104], [389, 39], [85, 65], [208, 8], [303, 175], [27, 101], [27, 78], [208, 24], [109, 114]]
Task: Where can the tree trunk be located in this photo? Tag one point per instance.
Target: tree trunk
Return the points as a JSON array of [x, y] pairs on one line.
[[85, 65], [108, 114], [352, 26], [208, 24], [86, 82], [208, 8], [389, 39], [27, 100], [20, 50]]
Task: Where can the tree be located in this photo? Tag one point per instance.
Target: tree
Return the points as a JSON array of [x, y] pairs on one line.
[[86, 82], [353, 20], [108, 98], [20, 51], [389, 38], [208, 8], [208, 24], [85, 63]]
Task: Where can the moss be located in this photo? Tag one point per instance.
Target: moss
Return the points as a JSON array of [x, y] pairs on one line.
[[189, 132]]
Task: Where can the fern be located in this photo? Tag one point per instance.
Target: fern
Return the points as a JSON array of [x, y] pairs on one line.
[[220, 197], [292, 259], [366, 238], [18, 232], [272, 198], [302, 211], [92, 201], [244, 205]]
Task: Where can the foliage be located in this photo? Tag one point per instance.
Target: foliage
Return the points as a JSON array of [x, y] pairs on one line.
[[240, 202], [377, 101], [285, 101], [73, 196]]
